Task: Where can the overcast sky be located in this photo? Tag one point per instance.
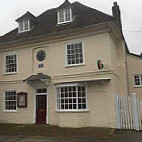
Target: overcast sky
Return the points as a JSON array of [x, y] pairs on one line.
[[131, 14]]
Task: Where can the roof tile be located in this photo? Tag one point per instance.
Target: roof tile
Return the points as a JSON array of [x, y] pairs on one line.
[[47, 22]]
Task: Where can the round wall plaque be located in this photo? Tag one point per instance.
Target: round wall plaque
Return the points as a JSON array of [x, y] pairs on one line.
[[40, 55]]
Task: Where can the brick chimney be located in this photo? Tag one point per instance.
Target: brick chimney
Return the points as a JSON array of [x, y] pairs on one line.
[[116, 13]]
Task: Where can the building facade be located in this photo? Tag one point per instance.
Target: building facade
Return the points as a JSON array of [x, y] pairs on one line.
[[63, 68], [134, 74]]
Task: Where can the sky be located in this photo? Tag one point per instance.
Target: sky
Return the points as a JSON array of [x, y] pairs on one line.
[[131, 15]]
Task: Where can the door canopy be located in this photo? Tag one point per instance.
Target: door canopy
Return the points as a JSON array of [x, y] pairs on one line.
[[38, 80]]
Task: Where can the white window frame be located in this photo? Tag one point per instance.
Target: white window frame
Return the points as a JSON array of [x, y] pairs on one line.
[[10, 54], [24, 26], [140, 78], [72, 85], [66, 58], [64, 16], [10, 90]]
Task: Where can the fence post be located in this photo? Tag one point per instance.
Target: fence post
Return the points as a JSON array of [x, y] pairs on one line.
[[135, 112], [117, 112]]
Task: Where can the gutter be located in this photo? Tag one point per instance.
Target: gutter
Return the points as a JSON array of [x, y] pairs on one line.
[[55, 33]]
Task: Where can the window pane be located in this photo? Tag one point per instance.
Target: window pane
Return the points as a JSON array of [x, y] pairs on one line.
[[79, 100], [41, 90], [74, 106], [70, 106], [26, 26], [141, 79], [74, 54], [61, 16], [79, 106], [69, 98], [62, 106], [21, 26], [10, 63], [66, 106], [64, 15], [137, 80], [10, 100], [83, 106], [67, 14]]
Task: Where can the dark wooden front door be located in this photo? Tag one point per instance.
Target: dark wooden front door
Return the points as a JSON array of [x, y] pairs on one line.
[[41, 109]]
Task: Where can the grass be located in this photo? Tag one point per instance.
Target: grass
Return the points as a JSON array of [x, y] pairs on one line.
[[54, 131]]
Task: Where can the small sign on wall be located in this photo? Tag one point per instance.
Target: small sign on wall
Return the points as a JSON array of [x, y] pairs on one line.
[[22, 99], [100, 64], [40, 65]]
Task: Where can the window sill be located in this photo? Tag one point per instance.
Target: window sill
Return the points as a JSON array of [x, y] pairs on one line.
[[139, 86], [63, 23], [19, 32], [75, 65], [9, 110], [10, 73], [70, 111]]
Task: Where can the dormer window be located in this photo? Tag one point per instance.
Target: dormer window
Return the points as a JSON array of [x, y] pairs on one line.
[[64, 15], [24, 26], [27, 22]]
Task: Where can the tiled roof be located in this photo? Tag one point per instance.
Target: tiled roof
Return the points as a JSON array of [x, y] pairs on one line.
[[65, 4], [27, 15], [47, 22]]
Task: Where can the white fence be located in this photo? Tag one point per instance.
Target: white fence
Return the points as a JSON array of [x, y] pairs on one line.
[[128, 112]]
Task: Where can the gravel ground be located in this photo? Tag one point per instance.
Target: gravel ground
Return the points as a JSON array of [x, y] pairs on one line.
[[45, 139], [126, 136], [117, 137], [44, 133]]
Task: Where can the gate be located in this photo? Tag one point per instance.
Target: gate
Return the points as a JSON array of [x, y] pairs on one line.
[[128, 112]]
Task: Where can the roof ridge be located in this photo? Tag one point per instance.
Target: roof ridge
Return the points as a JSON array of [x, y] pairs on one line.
[[57, 8], [83, 5], [52, 9]]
